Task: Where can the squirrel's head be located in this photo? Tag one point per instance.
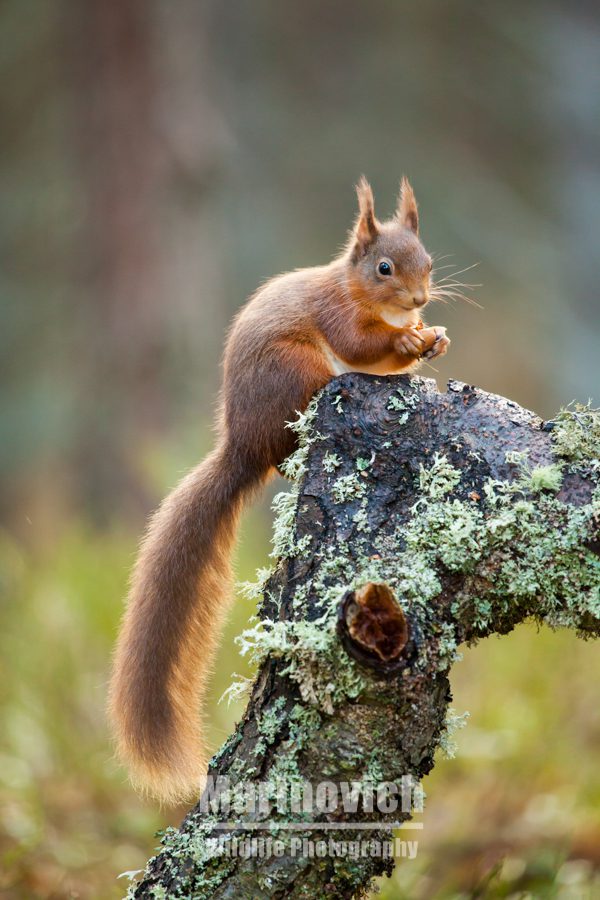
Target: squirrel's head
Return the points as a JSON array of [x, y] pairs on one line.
[[388, 262]]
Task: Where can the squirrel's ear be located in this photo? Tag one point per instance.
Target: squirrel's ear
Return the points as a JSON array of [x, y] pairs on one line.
[[406, 211], [366, 229]]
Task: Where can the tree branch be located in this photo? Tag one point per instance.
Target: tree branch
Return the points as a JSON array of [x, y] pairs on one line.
[[419, 520]]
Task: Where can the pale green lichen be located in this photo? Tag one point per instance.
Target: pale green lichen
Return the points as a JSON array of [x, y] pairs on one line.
[[254, 590], [231, 742], [404, 403], [191, 850], [375, 769], [270, 723], [237, 690], [545, 478], [285, 503], [453, 722], [314, 658], [439, 478], [304, 723], [576, 434], [450, 529], [303, 544], [517, 457], [361, 519], [538, 478], [348, 487], [331, 461], [284, 506], [337, 403]]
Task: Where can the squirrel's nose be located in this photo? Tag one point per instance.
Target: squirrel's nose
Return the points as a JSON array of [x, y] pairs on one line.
[[419, 298]]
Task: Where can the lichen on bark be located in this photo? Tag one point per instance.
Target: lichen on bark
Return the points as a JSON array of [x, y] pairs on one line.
[[475, 515]]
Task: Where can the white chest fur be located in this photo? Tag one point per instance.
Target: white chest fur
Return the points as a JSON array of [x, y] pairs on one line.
[[399, 318]]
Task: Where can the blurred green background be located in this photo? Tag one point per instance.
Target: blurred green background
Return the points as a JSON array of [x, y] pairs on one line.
[[159, 160]]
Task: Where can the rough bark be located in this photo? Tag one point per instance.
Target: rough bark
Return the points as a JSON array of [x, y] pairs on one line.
[[412, 532]]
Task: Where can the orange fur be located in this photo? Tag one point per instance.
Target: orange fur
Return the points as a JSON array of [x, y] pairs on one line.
[[285, 344]]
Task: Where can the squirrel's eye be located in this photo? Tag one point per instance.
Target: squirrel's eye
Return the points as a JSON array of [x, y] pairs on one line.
[[384, 267]]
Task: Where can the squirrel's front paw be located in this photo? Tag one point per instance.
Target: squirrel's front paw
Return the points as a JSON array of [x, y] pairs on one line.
[[409, 342], [440, 344]]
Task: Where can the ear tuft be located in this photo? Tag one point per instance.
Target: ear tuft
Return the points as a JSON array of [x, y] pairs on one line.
[[366, 229], [407, 211]]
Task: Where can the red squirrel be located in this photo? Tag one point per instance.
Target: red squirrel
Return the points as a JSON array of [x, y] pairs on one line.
[[361, 312]]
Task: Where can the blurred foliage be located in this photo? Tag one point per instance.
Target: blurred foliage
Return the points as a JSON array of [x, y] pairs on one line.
[[159, 161], [516, 811], [162, 161], [69, 823]]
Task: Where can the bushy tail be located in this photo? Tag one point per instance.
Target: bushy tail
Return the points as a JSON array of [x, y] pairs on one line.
[[178, 597]]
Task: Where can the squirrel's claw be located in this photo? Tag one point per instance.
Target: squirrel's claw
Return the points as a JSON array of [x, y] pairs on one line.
[[440, 346]]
